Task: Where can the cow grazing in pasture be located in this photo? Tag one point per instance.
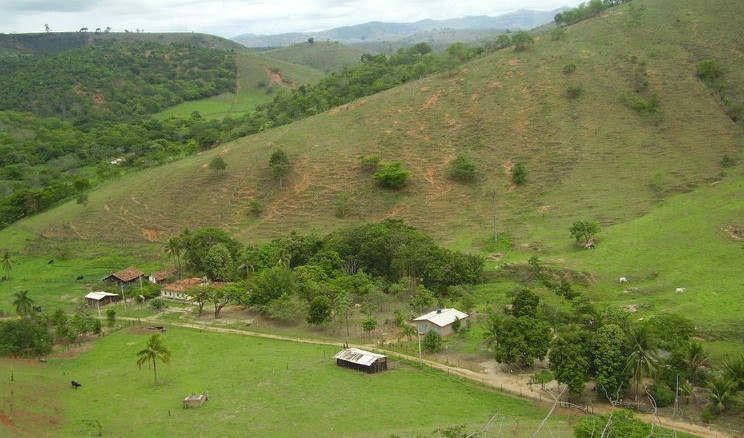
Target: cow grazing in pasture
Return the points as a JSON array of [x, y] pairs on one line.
[[589, 246], [622, 280], [79, 277], [50, 262], [75, 384], [680, 290]]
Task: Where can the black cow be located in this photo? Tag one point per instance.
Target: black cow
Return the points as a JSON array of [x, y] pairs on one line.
[[79, 277], [50, 262], [75, 384]]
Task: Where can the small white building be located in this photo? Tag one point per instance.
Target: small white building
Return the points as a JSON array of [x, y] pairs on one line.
[[179, 290], [439, 320]]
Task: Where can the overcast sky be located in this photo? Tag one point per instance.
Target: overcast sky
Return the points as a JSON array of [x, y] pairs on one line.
[[229, 18]]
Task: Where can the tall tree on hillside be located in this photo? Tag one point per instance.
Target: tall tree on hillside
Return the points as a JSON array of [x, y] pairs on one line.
[[7, 262], [522, 40], [23, 303], [232, 293], [518, 340], [154, 351], [173, 248], [643, 359], [609, 361], [218, 263], [570, 357], [200, 295], [279, 163], [584, 230], [697, 362]]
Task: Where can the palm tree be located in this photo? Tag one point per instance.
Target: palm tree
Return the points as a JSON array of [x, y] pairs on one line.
[[154, 351], [173, 248], [734, 371], [722, 392], [7, 262], [407, 331], [23, 303], [642, 360], [697, 361]]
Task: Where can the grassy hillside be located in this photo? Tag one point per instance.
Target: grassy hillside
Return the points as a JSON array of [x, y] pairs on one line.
[[589, 155], [324, 56], [259, 77]]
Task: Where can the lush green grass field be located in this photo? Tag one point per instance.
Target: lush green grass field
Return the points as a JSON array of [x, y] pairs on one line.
[[218, 107], [257, 387], [56, 284]]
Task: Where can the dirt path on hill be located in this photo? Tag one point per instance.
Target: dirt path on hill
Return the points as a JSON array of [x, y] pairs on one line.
[[517, 385]]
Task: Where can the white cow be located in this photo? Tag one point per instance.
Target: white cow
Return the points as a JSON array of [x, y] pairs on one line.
[[622, 280], [680, 290]]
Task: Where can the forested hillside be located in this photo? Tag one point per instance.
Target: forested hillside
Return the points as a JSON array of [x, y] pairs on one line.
[[113, 82], [104, 125], [66, 115]]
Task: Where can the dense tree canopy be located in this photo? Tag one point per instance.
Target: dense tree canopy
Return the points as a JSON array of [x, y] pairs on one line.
[[113, 81]]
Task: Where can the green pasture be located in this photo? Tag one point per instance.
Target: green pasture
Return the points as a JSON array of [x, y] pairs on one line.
[[218, 107], [257, 387], [686, 242], [49, 270], [253, 69], [324, 56]]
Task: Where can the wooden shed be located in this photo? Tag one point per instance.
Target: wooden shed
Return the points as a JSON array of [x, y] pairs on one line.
[[126, 276], [361, 360], [100, 298], [161, 276]]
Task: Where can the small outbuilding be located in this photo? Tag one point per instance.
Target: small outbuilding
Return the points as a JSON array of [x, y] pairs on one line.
[[126, 276], [195, 400], [101, 298], [160, 276], [439, 320], [361, 360]]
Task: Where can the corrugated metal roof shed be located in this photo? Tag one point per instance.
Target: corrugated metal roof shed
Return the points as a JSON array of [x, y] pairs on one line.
[[360, 357], [98, 296], [442, 317]]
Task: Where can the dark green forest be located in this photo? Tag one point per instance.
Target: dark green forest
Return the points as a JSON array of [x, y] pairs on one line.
[[113, 81]]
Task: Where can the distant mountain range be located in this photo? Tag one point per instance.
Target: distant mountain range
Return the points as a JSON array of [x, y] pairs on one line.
[[376, 31]]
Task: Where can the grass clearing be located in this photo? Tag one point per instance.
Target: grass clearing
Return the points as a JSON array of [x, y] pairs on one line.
[[49, 270], [256, 386], [253, 68]]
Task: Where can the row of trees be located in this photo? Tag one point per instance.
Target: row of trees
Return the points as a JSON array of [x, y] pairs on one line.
[[585, 11], [653, 358]]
